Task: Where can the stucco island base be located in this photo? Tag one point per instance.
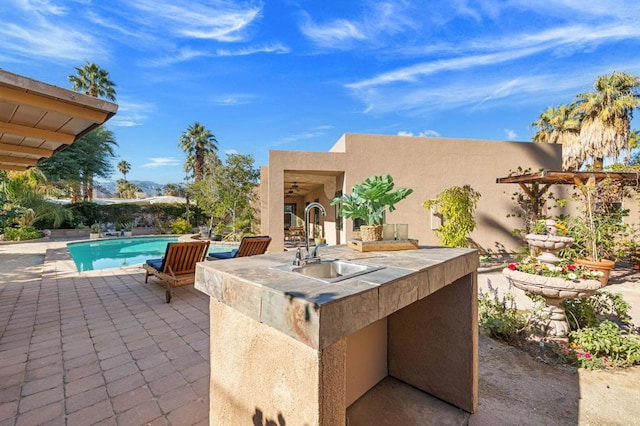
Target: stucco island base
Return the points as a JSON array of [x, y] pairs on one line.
[[334, 354]]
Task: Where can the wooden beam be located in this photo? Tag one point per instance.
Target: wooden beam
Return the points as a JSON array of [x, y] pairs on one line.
[[26, 131], [18, 160], [12, 167], [26, 149], [51, 104]]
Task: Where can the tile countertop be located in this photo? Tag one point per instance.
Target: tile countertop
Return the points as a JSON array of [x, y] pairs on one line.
[[319, 314]]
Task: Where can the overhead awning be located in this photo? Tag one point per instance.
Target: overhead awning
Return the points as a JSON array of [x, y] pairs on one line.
[[535, 185], [548, 177], [38, 119]]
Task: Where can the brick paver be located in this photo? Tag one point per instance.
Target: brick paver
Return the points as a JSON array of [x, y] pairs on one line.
[[101, 348]]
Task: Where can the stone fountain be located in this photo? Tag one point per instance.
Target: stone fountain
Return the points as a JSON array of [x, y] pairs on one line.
[[553, 289], [549, 243]]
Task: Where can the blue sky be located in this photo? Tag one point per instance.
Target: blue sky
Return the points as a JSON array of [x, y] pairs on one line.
[[297, 74]]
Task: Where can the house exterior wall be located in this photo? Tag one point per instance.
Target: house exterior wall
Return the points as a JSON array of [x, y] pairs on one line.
[[427, 165]]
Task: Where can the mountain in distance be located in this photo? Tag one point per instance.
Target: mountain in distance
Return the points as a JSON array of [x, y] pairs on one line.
[[150, 188]]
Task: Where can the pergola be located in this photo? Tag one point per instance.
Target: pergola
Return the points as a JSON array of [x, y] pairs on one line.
[[38, 120], [535, 185]]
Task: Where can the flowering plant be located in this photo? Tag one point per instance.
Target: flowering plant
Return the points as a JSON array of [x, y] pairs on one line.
[[564, 269]]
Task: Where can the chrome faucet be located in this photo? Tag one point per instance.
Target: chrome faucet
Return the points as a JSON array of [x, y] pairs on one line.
[[309, 255]]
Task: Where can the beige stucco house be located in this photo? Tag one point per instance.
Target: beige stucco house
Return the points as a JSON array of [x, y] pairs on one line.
[[427, 165]]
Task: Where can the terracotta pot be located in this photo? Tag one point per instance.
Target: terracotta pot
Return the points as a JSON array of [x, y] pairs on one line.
[[604, 265], [371, 233]]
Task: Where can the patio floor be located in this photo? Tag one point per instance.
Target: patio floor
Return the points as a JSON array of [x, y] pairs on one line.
[[101, 348]]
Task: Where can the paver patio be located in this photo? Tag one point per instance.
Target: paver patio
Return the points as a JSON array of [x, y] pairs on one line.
[[101, 348]]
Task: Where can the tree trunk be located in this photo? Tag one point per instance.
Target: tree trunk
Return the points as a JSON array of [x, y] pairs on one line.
[[597, 163]]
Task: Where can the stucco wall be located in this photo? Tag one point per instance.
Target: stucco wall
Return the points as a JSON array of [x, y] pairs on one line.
[[427, 165]]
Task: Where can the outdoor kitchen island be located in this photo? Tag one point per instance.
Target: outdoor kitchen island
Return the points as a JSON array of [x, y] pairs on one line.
[[287, 348]]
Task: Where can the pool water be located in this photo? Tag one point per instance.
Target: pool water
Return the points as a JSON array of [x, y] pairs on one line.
[[119, 252]]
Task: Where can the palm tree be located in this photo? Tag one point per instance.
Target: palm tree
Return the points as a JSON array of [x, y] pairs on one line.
[[634, 142], [560, 125], [197, 141], [607, 113], [124, 168], [93, 81]]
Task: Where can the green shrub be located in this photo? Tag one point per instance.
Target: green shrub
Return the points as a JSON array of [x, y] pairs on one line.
[[22, 234], [596, 346], [590, 311], [499, 318], [181, 226]]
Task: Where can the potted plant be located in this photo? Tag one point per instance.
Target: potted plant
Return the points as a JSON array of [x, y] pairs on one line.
[[368, 202], [127, 228], [598, 229], [94, 231]]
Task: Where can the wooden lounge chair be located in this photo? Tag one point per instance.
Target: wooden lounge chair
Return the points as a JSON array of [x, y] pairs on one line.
[[178, 266], [249, 246]]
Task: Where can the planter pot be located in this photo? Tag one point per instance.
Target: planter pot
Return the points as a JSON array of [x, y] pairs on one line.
[[371, 233], [94, 236], [128, 233], [605, 266]]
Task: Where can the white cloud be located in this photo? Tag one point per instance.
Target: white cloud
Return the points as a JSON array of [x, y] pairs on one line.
[[234, 99], [333, 34], [132, 114], [426, 133], [378, 21], [45, 39], [161, 162], [510, 134], [231, 152], [216, 20]]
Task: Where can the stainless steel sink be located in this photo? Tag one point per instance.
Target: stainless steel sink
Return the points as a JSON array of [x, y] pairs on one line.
[[330, 270]]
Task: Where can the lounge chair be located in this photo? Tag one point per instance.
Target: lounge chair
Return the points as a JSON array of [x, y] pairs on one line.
[[178, 266], [249, 246]]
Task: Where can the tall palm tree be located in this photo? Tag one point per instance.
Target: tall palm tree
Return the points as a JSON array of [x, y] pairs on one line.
[[560, 125], [93, 81], [607, 113], [197, 141], [124, 168], [634, 142]]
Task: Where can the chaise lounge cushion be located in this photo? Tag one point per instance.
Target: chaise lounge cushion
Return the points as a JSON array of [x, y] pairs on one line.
[[249, 246], [224, 254], [155, 263]]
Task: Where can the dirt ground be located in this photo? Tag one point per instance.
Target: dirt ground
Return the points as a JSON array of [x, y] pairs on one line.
[[516, 388]]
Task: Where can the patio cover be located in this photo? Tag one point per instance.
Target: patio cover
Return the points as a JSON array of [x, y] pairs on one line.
[[535, 185], [38, 119]]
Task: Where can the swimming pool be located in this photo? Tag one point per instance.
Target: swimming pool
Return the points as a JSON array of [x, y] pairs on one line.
[[118, 252]]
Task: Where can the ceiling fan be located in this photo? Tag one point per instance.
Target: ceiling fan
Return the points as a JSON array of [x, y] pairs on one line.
[[293, 189]]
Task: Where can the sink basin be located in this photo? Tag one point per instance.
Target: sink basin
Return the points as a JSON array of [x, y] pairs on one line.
[[330, 270]]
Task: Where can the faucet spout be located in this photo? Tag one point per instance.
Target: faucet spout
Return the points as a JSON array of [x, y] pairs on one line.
[[307, 210]]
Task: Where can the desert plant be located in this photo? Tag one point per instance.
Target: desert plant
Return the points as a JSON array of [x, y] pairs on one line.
[[456, 205], [370, 199]]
